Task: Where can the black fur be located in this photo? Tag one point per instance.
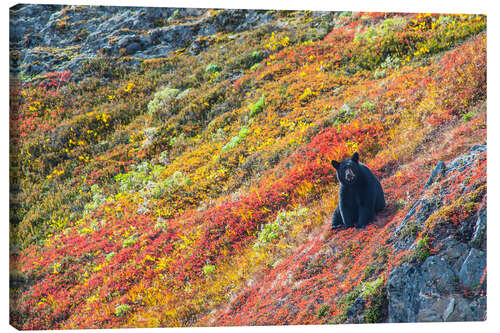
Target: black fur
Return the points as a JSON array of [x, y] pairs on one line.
[[360, 194]]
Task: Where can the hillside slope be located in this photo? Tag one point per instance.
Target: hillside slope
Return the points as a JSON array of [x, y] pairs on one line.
[[182, 176]]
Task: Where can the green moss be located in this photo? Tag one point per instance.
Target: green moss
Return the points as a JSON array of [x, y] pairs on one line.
[[369, 288], [410, 230], [368, 271], [254, 67], [420, 253], [376, 312], [373, 293], [423, 251], [345, 302], [368, 105], [323, 310]]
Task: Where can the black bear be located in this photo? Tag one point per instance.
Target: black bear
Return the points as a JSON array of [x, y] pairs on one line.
[[360, 194]]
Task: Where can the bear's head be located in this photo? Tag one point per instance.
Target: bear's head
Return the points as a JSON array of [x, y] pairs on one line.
[[348, 170]]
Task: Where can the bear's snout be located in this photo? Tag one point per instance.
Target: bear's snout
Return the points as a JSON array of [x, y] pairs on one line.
[[349, 175]]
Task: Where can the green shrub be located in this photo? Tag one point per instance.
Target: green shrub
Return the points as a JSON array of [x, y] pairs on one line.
[[235, 140], [170, 184], [134, 179], [374, 295], [379, 74], [279, 227], [254, 67], [391, 62], [257, 54], [342, 116], [467, 116], [208, 269], [122, 309], [110, 68], [243, 132], [246, 61], [346, 302], [388, 26], [258, 106], [130, 240], [183, 94], [368, 105], [97, 200], [147, 179], [162, 99], [212, 68]]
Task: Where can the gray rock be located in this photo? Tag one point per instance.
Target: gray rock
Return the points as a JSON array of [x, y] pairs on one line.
[[478, 148], [197, 46], [126, 40], [438, 170], [437, 277], [449, 309], [89, 31], [478, 240], [478, 309], [472, 269], [419, 295], [461, 310], [207, 30], [430, 292], [403, 288], [402, 237], [145, 40], [433, 310], [355, 313], [466, 160], [453, 252], [434, 290], [133, 47]]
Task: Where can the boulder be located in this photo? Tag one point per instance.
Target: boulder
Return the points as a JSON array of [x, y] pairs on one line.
[[450, 284], [438, 170], [479, 237], [473, 269], [403, 288]]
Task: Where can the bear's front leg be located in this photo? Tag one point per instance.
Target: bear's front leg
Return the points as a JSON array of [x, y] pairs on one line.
[[347, 206], [337, 220], [348, 216], [364, 217]]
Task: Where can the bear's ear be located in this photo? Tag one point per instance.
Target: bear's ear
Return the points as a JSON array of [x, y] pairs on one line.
[[355, 157], [335, 164]]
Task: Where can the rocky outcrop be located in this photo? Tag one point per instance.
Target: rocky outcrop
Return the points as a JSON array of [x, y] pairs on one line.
[[434, 290], [450, 284], [45, 38]]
